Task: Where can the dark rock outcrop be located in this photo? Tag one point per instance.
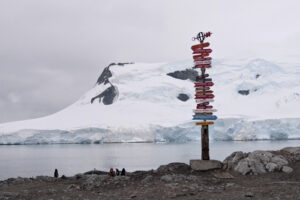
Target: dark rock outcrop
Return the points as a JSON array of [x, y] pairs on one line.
[[110, 93], [107, 95], [244, 92], [185, 74], [106, 74], [183, 97]]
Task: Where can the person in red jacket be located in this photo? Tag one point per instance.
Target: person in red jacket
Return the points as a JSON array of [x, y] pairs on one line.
[[112, 172]]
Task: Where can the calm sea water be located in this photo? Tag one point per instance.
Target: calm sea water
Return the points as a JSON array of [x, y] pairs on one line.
[[69, 159]]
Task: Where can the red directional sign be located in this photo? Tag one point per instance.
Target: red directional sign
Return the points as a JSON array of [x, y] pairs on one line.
[[204, 84], [202, 59], [200, 46], [201, 55], [204, 62], [202, 66], [205, 106], [202, 51], [203, 96]]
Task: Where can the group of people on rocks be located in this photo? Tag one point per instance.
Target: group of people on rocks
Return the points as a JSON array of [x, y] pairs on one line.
[[112, 172]]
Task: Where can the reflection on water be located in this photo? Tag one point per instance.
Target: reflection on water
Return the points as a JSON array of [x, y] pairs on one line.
[[69, 159]]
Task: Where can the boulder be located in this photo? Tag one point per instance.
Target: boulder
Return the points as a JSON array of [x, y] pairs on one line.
[[174, 167], [243, 167], [231, 161], [250, 166], [271, 167], [294, 151], [263, 156], [286, 169], [204, 165], [279, 160]]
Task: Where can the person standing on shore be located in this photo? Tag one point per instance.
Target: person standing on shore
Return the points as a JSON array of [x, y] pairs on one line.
[[56, 173]]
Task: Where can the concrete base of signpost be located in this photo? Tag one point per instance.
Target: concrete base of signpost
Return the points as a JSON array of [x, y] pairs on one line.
[[204, 165]]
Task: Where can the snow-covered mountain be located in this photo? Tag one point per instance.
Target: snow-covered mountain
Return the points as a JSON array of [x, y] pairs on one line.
[[141, 102]]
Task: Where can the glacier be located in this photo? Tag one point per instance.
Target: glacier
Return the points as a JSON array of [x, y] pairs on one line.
[[140, 102]]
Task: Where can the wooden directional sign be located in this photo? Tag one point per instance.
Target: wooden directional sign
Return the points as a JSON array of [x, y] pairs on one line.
[[204, 100], [204, 62], [203, 79], [200, 46], [202, 59], [204, 106], [204, 92], [204, 123], [199, 88], [204, 84], [203, 114], [202, 66], [204, 110], [197, 51], [201, 55], [204, 96]]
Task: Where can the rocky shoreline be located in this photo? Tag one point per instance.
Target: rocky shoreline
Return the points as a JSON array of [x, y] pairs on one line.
[[254, 175]]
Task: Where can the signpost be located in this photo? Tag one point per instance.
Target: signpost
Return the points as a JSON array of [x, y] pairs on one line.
[[204, 95]]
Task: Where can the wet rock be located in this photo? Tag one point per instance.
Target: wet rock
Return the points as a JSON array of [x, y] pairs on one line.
[[183, 97], [286, 169], [204, 165]]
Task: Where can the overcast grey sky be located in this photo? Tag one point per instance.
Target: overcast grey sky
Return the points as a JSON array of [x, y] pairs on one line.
[[52, 51]]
